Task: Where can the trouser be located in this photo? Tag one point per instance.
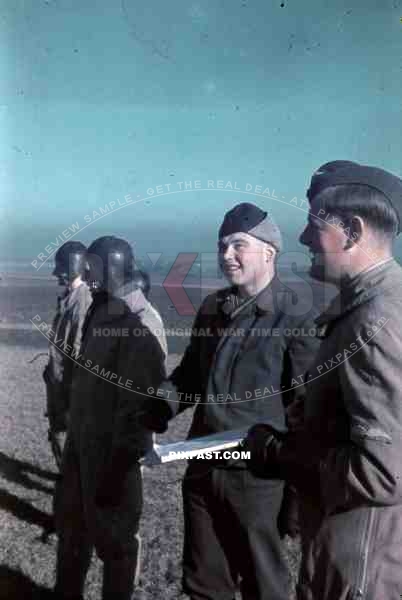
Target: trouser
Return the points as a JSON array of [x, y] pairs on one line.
[[56, 412], [231, 536], [56, 407], [82, 526]]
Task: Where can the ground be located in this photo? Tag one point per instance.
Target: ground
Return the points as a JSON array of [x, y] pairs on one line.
[[27, 476]]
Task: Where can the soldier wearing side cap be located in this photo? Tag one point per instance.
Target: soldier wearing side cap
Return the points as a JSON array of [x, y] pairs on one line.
[[346, 459], [233, 519]]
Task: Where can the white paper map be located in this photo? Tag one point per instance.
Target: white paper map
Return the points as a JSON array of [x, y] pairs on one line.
[[182, 450]]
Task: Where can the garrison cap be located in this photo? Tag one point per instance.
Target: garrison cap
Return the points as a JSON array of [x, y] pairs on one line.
[[346, 172], [249, 218]]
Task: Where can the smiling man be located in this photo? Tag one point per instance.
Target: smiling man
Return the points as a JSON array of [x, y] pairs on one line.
[[346, 460], [241, 374], [248, 262]]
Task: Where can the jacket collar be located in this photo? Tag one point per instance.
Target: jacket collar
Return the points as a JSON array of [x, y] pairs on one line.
[[363, 287], [133, 297], [265, 302]]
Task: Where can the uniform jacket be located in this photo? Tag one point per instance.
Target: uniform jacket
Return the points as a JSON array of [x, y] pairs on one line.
[[120, 361], [352, 540], [145, 311], [246, 361], [67, 329]]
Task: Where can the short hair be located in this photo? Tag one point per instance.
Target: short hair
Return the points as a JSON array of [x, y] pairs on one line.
[[349, 200]]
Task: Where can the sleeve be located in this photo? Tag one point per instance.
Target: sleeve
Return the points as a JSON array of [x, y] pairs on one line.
[[185, 379], [141, 370], [299, 354], [55, 367], [80, 313], [367, 468], [73, 340], [59, 372], [187, 376]]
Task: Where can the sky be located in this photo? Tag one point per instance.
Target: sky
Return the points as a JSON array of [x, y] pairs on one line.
[[103, 102]]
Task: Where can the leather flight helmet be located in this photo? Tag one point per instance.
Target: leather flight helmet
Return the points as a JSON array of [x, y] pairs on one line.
[[110, 263], [70, 262]]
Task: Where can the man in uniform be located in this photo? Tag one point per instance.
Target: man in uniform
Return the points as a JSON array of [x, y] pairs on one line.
[[72, 306], [249, 350], [99, 500], [346, 459]]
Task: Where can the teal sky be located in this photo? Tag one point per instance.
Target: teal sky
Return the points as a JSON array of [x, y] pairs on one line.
[[104, 99]]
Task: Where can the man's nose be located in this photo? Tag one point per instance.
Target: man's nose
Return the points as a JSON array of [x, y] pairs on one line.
[[304, 238], [227, 253]]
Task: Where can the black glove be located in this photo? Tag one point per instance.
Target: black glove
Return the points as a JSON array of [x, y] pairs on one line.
[[295, 456], [156, 415], [288, 517], [264, 442]]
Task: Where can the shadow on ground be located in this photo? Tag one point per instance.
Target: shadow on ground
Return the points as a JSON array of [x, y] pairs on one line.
[[26, 512], [14, 585], [20, 472]]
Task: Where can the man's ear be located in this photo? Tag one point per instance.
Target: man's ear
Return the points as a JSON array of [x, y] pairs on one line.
[[356, 232], [270, 253]]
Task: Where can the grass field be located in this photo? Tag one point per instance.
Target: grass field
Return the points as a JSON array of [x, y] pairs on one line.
[[27, 475], [27, 472]]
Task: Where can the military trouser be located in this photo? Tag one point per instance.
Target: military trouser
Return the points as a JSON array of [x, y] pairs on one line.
[[231, 536], [56, 412], [57, 394], [82, 526]]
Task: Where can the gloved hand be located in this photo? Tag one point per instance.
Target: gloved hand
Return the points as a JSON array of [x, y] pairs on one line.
[[288, 517], [295, 456], [151, 458], [156, 416], [263, 442]]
